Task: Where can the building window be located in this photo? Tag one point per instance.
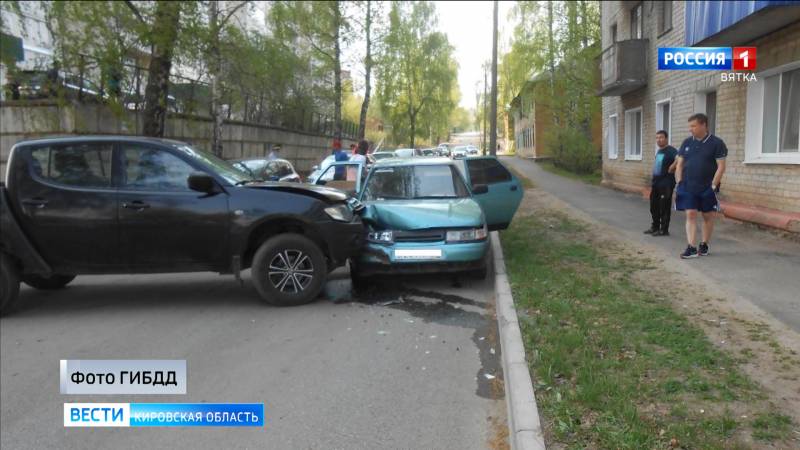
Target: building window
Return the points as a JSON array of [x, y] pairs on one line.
[[614, 34], [633, 134], [772, 133], [711, 111], [664, 117], [613, 137], [664, 16], [781, 113], [636, 22]]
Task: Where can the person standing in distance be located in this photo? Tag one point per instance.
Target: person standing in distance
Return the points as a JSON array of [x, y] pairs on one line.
[[701, 164], [662, 185]]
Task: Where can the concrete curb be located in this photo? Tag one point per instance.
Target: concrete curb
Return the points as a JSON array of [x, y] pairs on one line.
[[524, 427]]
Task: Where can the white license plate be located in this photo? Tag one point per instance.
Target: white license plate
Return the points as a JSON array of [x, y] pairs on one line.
[[402, 254]]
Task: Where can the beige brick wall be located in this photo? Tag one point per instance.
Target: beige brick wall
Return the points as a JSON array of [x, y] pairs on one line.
[[774, 186]]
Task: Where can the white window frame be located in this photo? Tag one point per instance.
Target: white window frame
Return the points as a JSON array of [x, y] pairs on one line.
[[667, 100], [628, 155], [613, 151], [754, 122]]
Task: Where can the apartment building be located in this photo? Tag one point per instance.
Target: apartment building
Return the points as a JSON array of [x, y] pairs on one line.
[[758, 120], [531, 113]]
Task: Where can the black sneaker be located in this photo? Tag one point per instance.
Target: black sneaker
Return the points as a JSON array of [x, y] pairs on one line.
[[651, 230], [703, 249], [690, 252]]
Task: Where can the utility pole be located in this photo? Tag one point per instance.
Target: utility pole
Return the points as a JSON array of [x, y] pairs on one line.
[[493, 128], [485, 96]]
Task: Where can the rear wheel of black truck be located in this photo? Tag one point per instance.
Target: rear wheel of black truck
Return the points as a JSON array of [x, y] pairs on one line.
[[53, 282], [9, 283], [288, 270]]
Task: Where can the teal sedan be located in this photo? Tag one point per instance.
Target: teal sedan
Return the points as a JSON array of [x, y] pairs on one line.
[[431, 214]]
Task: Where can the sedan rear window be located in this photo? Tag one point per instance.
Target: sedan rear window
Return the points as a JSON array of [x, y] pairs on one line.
[[414, 182]]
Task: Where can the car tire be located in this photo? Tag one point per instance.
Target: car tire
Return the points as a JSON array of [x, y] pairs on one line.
[[299, 270], [51, 283], [9, 284], [478, 274]]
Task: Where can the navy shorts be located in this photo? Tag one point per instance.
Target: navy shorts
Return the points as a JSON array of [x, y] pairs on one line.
[[705, 201]]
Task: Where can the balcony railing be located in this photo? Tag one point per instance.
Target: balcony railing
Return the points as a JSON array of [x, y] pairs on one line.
[[623, 66]]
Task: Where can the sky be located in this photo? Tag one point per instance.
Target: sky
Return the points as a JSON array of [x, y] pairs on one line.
[[468, 25]]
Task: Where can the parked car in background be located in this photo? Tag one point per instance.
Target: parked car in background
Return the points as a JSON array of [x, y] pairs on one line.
[[433, 214], [405, 153], [459, 151], [111, 204], [382, 155], [429, 152], [472, 150], [268, 169]]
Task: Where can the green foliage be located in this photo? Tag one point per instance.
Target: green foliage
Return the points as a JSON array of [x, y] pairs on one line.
[[416, 74], [573, 151], [567, 68]]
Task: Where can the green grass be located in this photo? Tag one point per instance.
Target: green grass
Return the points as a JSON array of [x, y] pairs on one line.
[[592, 178], [614, 365]]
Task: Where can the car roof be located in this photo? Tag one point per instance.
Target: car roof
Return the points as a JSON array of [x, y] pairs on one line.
[[261, 159], [62, 139], [394, 162]]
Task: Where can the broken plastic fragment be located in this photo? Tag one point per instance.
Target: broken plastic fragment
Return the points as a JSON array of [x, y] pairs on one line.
[[383, 333], [489, 376]]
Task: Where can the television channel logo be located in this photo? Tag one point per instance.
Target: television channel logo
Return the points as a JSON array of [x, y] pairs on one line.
[[707, 58]]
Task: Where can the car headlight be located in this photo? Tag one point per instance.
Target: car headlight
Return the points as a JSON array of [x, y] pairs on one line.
[[381, 237], [339, 213], [473, 234]]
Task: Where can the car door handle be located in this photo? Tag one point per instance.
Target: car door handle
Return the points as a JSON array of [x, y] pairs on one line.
[[514, 187], [136, 204], [38, 203]]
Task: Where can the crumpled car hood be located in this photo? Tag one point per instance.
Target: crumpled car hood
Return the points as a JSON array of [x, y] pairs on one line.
[[421, 214], [323, 193]]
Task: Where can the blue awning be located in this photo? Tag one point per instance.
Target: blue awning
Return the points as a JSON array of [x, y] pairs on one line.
[[705, 19]]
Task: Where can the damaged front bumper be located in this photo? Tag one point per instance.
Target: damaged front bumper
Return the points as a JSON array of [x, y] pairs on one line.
[[455, 257]]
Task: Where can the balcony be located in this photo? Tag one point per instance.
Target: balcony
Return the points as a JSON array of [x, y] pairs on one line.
[[715, 23], [623, 67]]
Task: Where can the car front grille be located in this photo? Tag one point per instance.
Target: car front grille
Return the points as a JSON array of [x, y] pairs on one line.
[[419, 236]]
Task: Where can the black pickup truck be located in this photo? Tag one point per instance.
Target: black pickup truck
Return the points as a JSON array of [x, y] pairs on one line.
[[108, 204]]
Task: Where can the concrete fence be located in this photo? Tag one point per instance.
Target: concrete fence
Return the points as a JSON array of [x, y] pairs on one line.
[[33, 119]]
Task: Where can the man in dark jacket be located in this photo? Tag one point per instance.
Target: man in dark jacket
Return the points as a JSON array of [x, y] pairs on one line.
[[662, 185]]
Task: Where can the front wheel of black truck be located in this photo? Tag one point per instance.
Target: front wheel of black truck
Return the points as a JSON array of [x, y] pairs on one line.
[[53, 282], [288, 270], [9, 283]]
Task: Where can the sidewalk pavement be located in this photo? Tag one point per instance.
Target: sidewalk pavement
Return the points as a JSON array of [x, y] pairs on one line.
[[754, 264]]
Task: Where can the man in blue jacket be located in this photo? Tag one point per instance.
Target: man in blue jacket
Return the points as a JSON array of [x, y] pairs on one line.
[[701, 164]]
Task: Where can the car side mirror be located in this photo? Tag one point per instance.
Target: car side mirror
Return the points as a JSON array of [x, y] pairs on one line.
[[201, 182], [480, 189]]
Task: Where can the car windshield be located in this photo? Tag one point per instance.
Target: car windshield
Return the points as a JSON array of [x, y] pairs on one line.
[[414, 182], [220, 167]]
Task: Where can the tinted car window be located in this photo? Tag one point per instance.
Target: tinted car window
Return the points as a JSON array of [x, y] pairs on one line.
[[152, 169], [414, 182], [82, 165], [487, 171]]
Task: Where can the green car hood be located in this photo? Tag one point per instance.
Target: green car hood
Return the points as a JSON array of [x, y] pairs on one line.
[[423, 213]]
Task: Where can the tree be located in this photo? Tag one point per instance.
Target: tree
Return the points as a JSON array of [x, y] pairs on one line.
[[493, 117], [162, 37], [362, 120], [322, 26], [417, 71]]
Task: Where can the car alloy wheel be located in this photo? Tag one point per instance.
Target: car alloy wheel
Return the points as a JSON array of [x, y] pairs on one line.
[[291, 271]]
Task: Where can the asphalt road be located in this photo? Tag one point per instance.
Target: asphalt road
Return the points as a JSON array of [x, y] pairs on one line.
[[344, 372]]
